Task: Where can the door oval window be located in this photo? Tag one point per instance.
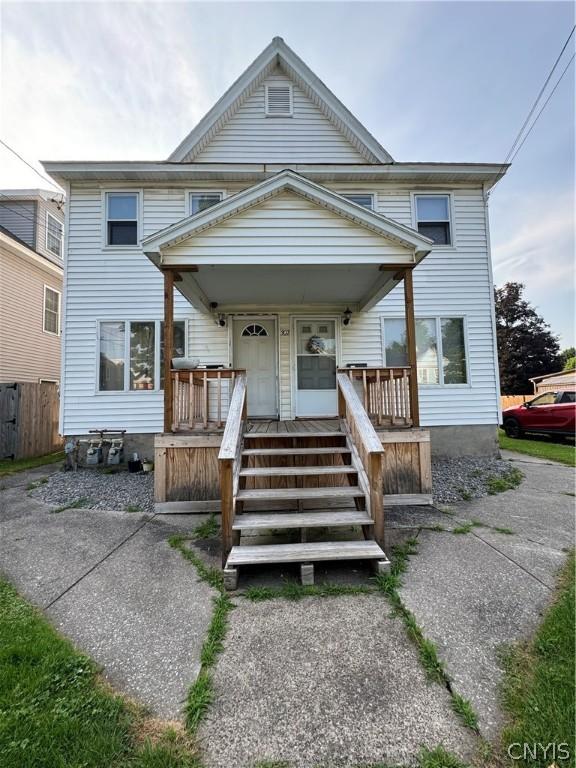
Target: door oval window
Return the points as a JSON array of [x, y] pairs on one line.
[[254, 330]]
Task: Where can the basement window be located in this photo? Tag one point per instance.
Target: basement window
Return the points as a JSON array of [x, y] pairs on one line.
[[433, 218], [122, 218], [279, 102]]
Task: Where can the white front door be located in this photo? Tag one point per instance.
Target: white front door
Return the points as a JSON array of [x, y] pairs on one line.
[[255, 350], [316, 368]]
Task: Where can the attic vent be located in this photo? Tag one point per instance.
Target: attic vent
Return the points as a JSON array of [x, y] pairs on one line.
[[278, 100]]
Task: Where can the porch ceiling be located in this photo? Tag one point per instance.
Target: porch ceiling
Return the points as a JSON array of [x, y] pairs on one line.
[[232, 286]]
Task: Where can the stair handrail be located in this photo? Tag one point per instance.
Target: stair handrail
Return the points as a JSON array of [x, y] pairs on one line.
[[229, 461], [369, 450]]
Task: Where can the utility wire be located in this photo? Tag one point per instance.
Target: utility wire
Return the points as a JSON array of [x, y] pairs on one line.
[[543, 108], [36, 171], [535, 104]]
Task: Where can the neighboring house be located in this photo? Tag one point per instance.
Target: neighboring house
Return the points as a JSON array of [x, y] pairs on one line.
[[554, 382], [31, 269], [297, 247]]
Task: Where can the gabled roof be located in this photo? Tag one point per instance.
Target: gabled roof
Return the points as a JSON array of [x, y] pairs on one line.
[[292, 182], [279, 54]]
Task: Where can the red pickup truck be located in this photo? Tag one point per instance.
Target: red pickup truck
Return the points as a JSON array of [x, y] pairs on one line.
[[552, 413]]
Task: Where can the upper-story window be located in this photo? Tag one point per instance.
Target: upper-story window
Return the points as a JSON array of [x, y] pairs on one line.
[[199, 201], [433, 218], [54, 231], [366, 201], [279, 102], [121, 218]]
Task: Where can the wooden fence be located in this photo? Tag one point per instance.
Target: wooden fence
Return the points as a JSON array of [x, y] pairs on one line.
[[509, 401], [28, 420]]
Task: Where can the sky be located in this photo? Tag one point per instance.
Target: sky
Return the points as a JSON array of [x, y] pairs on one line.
[[432, 81]]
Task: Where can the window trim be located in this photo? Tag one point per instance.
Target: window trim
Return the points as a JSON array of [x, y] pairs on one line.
[[196, 191], [347, 194], [61, 225], [157, 362], [59, 313], [139, 217], [438, 325], [451, 246], [291, 94]]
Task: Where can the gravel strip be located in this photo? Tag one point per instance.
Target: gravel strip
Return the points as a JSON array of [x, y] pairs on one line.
[[453, 480], [465, 478], [93, 489]]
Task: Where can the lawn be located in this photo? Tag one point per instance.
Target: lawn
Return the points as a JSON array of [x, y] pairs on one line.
[[542, 447], [8, 467], [54, 711], [539, 683]]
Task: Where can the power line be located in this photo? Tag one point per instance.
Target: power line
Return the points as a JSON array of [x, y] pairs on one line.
[[543, 107], [37, 172], [34, 220], [535, 104]]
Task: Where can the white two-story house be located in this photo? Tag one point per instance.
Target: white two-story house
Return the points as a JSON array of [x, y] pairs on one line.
[[304, 281]]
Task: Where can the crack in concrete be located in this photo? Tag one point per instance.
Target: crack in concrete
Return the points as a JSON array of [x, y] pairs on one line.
[[511, 560], [103, 559]]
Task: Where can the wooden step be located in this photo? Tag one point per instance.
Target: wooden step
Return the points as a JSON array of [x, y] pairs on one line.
[[331, 469], [302, 553], [293, 451], [283, 494], [302, 520], [284, 435]]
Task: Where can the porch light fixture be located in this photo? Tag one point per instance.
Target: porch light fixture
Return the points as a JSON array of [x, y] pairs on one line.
[[346, 316], [221, 321]]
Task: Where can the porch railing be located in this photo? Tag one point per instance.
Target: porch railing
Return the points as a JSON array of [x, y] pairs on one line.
[[201, 397], [367, 449], [384, 393], [230, 459]]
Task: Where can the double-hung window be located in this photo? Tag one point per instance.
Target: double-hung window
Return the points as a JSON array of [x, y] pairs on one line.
[[51, 323], [440, 348], [433, 218], [132, 353], [54, 231], [366, 201], [121, 218], [200, 201]]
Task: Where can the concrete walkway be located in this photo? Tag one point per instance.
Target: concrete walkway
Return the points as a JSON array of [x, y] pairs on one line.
[[473, 593], [110, 582]]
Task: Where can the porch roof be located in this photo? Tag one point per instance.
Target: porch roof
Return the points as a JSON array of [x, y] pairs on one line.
[[286, 241]]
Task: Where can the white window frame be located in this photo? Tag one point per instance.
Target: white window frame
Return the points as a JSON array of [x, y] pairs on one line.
[[157, 362], [438, 325], [291, 93], [61, 225], [371, 195], [139, 218], [59, 314], [190, 192], [451, 246]]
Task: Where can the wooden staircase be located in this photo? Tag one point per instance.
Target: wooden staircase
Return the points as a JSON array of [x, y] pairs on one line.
[[301, 481]]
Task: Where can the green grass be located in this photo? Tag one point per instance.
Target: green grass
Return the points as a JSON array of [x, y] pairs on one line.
[[8, 467], [541, 447], [462, 529], [36, 484], [507, 482], [82, 503], [291, 590], [506, 531], [132, 508], [462, 707], [55, 713], [538, 690]]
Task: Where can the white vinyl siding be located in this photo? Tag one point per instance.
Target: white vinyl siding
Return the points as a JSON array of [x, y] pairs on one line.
[[123, 285], [304, 136]]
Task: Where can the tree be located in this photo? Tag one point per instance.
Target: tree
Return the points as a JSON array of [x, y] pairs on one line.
[[526, 346], [568, 359]]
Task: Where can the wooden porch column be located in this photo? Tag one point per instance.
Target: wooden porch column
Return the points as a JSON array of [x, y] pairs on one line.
[[168, 347], [411, 346]]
